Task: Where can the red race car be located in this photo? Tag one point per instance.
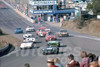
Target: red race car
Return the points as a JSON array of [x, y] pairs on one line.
[[41, 33], [50, 37]]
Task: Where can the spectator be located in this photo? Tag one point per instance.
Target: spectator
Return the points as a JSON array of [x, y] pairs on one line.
[[99, 61], [39, 20], [93, 64], [85, 59], [26, 65], [72, 62], [50, 63], [92, 57], [57, 62]]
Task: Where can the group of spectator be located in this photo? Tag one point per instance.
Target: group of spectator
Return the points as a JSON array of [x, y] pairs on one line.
[[88, 60]]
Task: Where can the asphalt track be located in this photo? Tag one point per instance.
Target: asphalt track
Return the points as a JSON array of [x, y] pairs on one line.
[[10, 20]]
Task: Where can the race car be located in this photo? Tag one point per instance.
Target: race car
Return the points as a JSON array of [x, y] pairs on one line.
[[37, 32], [45, 28], [26, 45], [50, 37], [63, 33], [18, 30], [42, 33], [30, 29], [53, 43], [28, 35], [50, 50], [30, 39]]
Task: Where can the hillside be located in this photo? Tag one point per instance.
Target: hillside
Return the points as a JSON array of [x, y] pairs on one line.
[[92, 27]]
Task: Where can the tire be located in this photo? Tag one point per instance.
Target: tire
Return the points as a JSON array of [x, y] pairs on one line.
[[44, 54], [21, 48], [46, 41]]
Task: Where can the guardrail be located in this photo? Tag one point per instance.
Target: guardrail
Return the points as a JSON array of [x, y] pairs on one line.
[[4, 49]]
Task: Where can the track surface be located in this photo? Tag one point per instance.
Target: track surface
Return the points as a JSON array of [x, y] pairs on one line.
[[10, 20]]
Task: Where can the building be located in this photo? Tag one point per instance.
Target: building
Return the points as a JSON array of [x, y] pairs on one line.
[[50, 9]]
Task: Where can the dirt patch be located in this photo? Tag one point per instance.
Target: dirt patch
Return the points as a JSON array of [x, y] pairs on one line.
[[10, 39], [3, 44]]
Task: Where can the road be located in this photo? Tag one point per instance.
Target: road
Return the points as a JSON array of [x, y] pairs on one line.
[[9, 20]]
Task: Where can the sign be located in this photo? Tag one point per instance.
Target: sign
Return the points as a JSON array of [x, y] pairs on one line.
[[45, 11], [42, 3]]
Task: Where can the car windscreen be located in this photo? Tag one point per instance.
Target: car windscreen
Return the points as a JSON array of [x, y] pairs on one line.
[[52, 43], [63, 31]]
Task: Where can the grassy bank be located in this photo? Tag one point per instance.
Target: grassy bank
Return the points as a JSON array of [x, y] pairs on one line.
[[5, 39]]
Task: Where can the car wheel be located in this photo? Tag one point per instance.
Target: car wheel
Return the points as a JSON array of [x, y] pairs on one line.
[[44, 54], [21, 48], [46, 40]]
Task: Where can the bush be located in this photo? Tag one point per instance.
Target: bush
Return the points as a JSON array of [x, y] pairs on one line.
[[81, 24]]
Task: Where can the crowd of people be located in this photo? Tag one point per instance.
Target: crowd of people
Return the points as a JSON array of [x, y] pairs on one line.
[[88, 60]]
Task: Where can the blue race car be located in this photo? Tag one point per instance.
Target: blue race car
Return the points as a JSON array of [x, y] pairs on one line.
[[18, 30], [50, 50]]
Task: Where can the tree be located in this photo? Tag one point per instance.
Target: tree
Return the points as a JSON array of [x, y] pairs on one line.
[[94, 6]]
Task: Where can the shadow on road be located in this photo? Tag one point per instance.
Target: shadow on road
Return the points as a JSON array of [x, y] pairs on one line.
[[63, 45], [59, 39]]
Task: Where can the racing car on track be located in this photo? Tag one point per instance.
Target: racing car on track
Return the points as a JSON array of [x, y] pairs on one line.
[[30, 39], [41, 33], [50, 50], [30, 29], [45, 28], [53, 43], [27, 35], [18, 30], [26, 45], [50, 37], [63, 33]]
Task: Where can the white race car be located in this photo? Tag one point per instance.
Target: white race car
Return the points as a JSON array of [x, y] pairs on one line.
[[30, 29], [26, 45], [28, 35], [31, 39], [48, 30]]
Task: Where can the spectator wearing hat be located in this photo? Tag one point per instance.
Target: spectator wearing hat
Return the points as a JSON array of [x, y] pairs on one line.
[[57, 62], [72, 62], [85, 59], [50, 63]]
